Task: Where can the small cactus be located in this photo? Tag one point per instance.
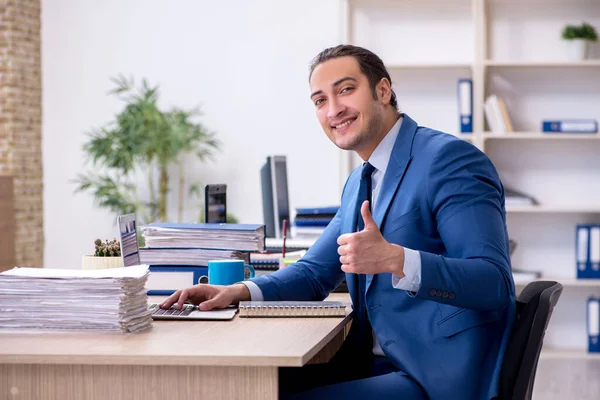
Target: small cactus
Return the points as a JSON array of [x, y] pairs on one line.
[[107, 248]]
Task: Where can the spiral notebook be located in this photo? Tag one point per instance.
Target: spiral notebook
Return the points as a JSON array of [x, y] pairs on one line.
[[289, 309]]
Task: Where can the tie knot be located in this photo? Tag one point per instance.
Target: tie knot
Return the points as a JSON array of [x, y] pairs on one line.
[[367, 170]]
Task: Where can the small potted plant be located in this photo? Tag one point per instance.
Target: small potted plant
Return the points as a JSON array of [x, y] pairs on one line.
[[107, 254], [578, 38]]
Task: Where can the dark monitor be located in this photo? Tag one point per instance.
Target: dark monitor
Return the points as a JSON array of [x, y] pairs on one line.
[[276, 208], [130, 251]]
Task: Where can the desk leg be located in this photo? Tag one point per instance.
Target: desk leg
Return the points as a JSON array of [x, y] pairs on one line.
[[327, 352], [126, 382]]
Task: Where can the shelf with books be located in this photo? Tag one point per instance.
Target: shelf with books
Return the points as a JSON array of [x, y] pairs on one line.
[[566, 282], [540, 136], [549, 208], [550, 353], [429, 66], [542, 64]]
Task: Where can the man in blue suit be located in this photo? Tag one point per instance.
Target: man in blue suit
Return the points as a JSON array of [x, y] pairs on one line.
[[422, 242]]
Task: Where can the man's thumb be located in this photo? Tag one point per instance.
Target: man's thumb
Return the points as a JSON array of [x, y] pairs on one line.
[[209, 304], [367, 217]]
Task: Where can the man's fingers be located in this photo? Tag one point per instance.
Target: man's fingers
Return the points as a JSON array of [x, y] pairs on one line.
[[370, 223], [172, 299], [343, 239], [347, 268], [184, 296], [209, 304], [343, 250]]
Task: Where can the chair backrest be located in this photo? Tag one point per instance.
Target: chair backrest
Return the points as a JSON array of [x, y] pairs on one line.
[[534, 308]]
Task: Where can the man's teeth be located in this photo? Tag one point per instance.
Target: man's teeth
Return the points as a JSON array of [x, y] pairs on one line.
[[344, 124]]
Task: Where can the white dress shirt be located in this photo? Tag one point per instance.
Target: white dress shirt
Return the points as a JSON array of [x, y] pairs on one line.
[[412, 258]]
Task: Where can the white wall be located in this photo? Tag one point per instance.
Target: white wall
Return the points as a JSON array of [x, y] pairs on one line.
[[244, 62]]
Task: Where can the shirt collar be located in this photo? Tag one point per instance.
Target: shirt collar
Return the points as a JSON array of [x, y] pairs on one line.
[[382, 153]]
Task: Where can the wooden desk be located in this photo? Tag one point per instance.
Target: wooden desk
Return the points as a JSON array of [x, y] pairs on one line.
[[236, 359]]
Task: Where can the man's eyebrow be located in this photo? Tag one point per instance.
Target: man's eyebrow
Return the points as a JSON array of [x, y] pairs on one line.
[[336, 83]]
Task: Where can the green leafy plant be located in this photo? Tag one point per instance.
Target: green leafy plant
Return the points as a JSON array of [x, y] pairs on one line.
[[583, 31], [107, 248], [143, 140]]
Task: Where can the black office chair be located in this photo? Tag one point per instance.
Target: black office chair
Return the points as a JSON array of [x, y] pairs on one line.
[[534, 308]]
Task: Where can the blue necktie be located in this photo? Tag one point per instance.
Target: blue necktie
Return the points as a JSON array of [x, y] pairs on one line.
[[364, 193]]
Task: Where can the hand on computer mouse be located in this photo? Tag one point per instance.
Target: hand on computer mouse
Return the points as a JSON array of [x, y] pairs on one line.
[[208, 297]]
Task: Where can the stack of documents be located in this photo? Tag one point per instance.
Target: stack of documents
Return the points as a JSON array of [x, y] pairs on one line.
[[112, 299], [240, 237], [184, 256]]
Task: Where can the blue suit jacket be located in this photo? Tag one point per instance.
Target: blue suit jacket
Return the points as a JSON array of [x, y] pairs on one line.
[[442, 196]]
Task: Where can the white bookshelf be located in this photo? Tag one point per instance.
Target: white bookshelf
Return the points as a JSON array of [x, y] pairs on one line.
[[542, 64], [429, 66], [562, 354], [554, 209], [511, 48], [566, 282], [541, 136]]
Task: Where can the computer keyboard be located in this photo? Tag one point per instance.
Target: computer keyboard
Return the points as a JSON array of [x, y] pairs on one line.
[[190, 312], [185, 310]]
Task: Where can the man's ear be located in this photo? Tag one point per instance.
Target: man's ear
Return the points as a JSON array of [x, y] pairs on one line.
[[384, 91]]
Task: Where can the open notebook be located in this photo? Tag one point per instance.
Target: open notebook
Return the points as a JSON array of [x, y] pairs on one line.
[[292, 309]]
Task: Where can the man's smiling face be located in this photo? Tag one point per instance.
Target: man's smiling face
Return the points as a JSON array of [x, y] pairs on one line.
[[346, 108]]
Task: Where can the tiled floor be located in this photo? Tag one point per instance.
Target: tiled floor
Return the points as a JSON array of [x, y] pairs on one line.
[[567, 379]]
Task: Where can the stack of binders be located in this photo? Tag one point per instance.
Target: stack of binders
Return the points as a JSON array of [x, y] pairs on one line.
[[588, 251], [178, 254], [311, 222]]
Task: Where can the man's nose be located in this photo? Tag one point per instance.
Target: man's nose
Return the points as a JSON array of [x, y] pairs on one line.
[[335, 108]]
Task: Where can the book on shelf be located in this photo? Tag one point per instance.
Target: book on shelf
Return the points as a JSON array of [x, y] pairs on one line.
[[288, 309], [570, 126], [497, 115], [465, 105], [593, 324], [587, 244]]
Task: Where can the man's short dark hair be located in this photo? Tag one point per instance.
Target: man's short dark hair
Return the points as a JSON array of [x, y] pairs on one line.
[[370, 64]]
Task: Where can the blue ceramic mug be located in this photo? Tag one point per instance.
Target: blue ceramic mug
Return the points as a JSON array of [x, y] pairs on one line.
[[227, 272]]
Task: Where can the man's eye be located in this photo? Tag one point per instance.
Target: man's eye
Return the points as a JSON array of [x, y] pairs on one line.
[[346, 89], [318, 101]]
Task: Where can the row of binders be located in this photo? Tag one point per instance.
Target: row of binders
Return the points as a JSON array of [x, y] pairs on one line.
[[499, 120], [495, 110], [178, 253], [310, 222], [588, 251], [593, 324]]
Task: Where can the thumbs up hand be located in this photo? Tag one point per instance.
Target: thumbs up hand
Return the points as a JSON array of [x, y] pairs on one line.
[[367, 252]]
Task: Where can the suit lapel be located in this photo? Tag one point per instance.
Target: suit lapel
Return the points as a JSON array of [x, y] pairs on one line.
[[399, 161], [397, 166]]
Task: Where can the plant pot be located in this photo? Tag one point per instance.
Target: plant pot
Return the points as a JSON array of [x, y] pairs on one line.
[[577, 49], [93, 262]]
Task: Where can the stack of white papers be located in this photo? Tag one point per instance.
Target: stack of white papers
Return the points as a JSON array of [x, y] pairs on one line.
[[240, 237], [183, 256], [112, 299]]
